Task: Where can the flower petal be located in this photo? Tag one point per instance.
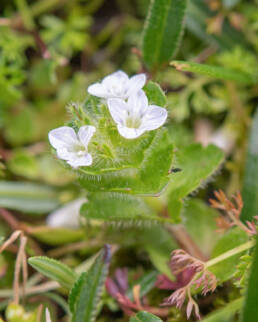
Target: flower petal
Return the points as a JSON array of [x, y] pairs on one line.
[[136, 83], [62, 137], [116, 85], [82, 161], [64, 154], [118, 110], [130, 133], [98, 90], [138, 103], [66, 216], [154, 117], [115, 78], [85, 134]]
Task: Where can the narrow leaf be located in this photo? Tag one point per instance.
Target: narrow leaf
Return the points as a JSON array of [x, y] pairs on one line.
[[55, 236], [85, 295], [226, 313], [28, 197], [145, 317], [214, 71], [54, 270], [250, 187], [146, 283], [163, 31], [250, 307]]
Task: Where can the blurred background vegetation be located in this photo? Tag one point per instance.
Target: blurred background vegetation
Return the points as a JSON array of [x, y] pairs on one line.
[[50, 51]]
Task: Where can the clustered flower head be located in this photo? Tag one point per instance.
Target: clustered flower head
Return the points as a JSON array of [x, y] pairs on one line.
[[129, 108], [191, 273]]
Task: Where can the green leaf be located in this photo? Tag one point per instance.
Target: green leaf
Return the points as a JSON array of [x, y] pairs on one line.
[[250, 186], [214, 71], [145, 317], [28, 197], [155, 94], [163, 31], [75, 291], [250, 312], [197, 164], [117, 207], [199, 221], [85, 295], [23, 164], [226, 313], [56, 236], [138, 166], [231, 239], [159, 244], [146, 283], [146, 177], [54, 270]]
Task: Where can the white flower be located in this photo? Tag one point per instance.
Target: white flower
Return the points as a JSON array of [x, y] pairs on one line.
[[135, 116], [72, 147], [117, 85], [66, 216]]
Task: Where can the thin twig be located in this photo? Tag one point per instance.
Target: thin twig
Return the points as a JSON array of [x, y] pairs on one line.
[[186, 242], [10, 240], [24, 271], [45, 287], [57, 252], [206, 53], [18, 265], [9, 218], [39, 313]]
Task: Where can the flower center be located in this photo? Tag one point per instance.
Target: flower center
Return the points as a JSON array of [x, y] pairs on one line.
[[133, 122], [79, 149]]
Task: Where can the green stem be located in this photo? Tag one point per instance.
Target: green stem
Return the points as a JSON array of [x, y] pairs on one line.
[[230, 253]]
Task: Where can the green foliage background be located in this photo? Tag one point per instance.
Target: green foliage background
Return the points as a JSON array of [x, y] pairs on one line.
[[201, 59]]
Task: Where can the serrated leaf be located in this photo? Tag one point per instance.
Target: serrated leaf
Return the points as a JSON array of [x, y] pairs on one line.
[[250, 185], [54, 270], [155, 94], [163, 31], [145, 317], [197, 164], [231, 239], [75, 291], [250, 312], [214, 71], [117, 207], [87, 291], [28, 197], [148, 177]]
